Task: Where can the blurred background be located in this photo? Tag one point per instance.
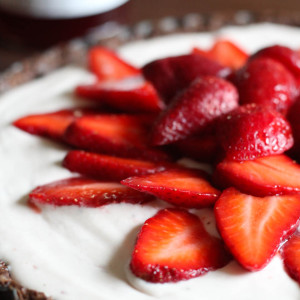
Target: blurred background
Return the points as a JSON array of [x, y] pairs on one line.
[[29, 26]]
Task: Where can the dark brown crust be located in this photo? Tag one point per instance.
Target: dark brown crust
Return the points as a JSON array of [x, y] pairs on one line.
[[11, 290], [75, 52]]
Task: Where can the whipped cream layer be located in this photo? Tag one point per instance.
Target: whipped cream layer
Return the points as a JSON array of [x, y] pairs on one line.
[[73, 253]]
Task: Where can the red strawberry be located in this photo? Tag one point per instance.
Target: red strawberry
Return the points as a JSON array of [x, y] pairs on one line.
[[291, 256], [174, 245], [203, 148], [201, 103], [270, 175], [109, 167], [253, 227], [52, 125], [266, 82], [132, 94], [226, 53], [181, 187], [120, 135], [253, 131], [294, 119], [85, 192], [286, 56], [107, 65], [172, 74]]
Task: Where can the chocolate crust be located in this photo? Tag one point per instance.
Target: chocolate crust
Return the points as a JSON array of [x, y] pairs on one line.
[[11, 290], [75, 52]]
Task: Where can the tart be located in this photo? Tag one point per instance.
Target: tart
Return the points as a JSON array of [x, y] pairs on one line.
[[72, 252]]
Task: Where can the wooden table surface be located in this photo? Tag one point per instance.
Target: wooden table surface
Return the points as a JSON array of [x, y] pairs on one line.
[[137, 10]]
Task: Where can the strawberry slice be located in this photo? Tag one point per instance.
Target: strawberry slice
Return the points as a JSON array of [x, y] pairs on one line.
[[51, 125], [201, 103], [173, 74], [132, 94], [253, 227], [85, 192], [252, 131], [226, 53], [266, 82], [109, 167], [120, 135], [107, 65], [290, 253], [264, 176], [286, 56], [174, 245], [181, 187]]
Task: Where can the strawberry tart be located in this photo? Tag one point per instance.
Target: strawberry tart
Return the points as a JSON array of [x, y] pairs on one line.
[[165, 170]]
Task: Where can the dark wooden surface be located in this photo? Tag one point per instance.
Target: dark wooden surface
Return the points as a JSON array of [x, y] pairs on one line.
[[138, 10]]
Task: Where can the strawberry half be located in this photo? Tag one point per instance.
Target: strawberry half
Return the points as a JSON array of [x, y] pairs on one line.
[[51, 125], [290, 253], [253, 227], [286, 56], [81, 191], [253, 131], [112, 134], [267, 82], [173, 74], [132, 94], [174, 245], [181, 187], [201, 103], [263, 176], [109, 167], [107, 65]]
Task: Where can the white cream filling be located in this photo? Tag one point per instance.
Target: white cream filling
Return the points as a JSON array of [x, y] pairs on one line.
[[82, 253]]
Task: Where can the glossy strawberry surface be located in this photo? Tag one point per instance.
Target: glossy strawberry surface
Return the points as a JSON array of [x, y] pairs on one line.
[[265, 81], [174, 245], [198, 106], [172, 74], [269, 175], [108, 167], [252, 131], [81, 191], [181, 187], [253, 227]]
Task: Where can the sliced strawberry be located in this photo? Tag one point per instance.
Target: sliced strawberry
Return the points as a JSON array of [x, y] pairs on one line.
[[294, 119], [290, 253], [203, 148], [266, 82], [132, 94], [109, 167], [174, 245], [52, 125], [181, 187], [85, 192], [253, 131], [253, 227], [190, 112], [270, 175], [172, 74], [286, 56], [120, 135], [226, 53], [107, 65]]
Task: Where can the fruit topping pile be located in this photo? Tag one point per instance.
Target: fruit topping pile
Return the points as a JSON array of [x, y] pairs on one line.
[[240, 114]]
